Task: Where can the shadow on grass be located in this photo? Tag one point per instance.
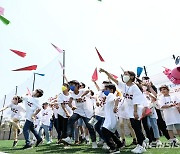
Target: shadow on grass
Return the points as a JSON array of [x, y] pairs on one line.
[[54, 148]]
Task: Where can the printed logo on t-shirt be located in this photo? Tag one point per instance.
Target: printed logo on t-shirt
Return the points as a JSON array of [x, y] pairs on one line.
[[29, 104], [80, 100], [170, 102], [14, 110], [44, 114], [65, 102], [125, 95], [102, 101]]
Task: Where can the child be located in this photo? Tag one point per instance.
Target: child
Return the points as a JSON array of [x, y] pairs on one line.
[[16, 110], [64, 111], [79, 112], [46, 114], [134, 99], [153, 118], [109, 126], [171, 114], [33, 107]]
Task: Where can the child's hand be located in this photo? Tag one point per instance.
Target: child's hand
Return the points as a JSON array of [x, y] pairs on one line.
[[33, 117], [74, 108], [115, 109], [136, 115], [101, 70]]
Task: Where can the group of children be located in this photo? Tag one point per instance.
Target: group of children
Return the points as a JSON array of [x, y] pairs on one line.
[[78, 113]]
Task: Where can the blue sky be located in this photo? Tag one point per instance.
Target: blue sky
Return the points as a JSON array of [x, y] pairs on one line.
[[126, 33]]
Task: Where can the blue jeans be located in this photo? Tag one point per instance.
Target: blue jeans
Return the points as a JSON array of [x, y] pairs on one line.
[[98, 126], [46, 130], [152, 122], [29, 126], [73, 119]]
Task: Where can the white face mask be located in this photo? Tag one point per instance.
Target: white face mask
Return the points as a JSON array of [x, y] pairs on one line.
[[126, 78]]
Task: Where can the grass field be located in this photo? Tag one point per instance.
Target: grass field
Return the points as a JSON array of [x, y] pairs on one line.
[[6, 146]]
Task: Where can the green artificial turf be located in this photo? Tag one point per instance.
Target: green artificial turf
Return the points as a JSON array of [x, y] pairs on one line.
[[6, 146]]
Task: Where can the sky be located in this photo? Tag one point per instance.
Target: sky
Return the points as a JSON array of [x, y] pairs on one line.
[[127, 33]]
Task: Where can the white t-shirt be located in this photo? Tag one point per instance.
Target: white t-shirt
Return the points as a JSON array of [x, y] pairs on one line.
[[63, 99], [31, 105], [123, 109], [16, 111], [55, 111], [38, 119], [110, 117], [152, 106], [131, 96], [89, 104], [99, 110], [80, 104], [46, 116], [171, 115]]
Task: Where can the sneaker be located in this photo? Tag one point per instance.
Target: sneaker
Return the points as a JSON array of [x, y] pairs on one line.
[[138, 149], [15, 143], [114, 151], [49, 142], [94, 145], [27, 146], [38, 142], [146, 143], [19, 131], [101, 142], [105, 146], [68, 140]]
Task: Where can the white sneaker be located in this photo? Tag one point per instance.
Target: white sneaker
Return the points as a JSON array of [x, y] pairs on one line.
[[135, 148], [145, 143], [94, 145], [49, 142], [105, 146], [114, 151], [139, 149], [100, 142], [67, 140]]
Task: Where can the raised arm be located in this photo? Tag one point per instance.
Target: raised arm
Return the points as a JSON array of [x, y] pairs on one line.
[[109, 75], [4, 108], [97, 87]]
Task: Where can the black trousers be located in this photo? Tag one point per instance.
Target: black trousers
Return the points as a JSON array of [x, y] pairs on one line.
[[111, 139], [148, 131], [136, 125], [62, 126]]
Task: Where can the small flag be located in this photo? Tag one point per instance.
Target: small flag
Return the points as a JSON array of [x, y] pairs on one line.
[[61, 65], [139, 71], [28, 68], [4, 20], [58, 49], [95, 75], [28, 92], [19, 53], [40, 74], [100, 57], [1, 11]]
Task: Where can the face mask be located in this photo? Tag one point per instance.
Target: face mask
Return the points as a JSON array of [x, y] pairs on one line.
[[126, 78], [106, 92], [72, 88]]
